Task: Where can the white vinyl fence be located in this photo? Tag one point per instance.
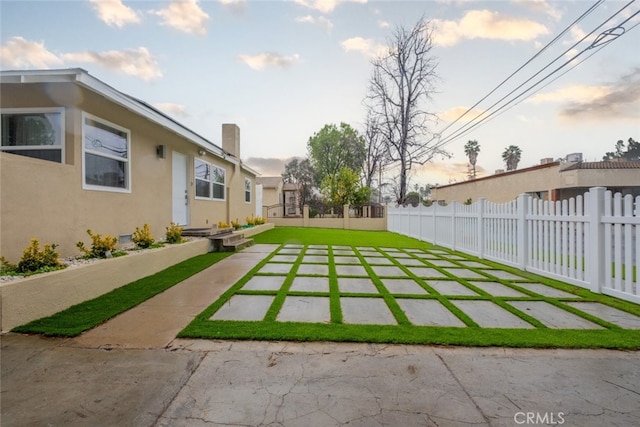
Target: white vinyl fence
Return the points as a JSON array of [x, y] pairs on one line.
[[592, 241]]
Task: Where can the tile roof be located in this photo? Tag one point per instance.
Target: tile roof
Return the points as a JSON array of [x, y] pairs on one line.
[[603, 165]]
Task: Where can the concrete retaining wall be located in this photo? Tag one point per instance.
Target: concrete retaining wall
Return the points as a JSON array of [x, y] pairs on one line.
[[42, 295]]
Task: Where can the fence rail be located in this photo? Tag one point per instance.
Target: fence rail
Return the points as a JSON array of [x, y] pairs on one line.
[[592, 241]]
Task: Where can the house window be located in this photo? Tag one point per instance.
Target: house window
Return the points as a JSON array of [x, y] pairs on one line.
[[105, 149], [247, 190], [210, 181], [33, 133]]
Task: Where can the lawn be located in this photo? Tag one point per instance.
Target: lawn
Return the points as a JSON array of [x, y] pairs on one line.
[[335, 329]]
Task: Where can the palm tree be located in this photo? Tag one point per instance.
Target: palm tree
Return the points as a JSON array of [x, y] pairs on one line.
[[471, 149], [511, 156]]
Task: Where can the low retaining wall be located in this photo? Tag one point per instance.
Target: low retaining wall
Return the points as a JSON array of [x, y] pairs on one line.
[[42, 295]]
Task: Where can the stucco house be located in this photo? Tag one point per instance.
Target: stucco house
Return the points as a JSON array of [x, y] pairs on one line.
[[78, 154], [550, 180]]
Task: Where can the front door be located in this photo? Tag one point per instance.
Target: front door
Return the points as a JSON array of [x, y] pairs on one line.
[[180, 195]]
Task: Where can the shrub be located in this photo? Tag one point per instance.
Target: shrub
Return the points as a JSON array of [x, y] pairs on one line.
[[174, 233], [257, 220], [34, 259], [235, 224], [223, 224], [142, 237], [100, 246]]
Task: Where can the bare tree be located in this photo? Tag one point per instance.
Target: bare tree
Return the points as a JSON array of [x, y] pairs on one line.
[[401, 83], [375, 153]]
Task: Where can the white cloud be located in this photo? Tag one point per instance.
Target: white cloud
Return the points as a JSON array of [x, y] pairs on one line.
[[236, 6], [113, 12], [269, 59], [367, 47], [542, 6], [21, 53], [455, 112], [325, 6], [576, 93], [135, 62], [185, 16], [486, 24], [383, 24], [172, 109], [321, 21]]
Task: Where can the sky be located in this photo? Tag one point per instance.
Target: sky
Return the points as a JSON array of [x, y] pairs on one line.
[[282, 70]]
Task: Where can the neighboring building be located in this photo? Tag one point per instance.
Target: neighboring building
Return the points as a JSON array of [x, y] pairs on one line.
[[271, 190], [551, 180], [77, 154]]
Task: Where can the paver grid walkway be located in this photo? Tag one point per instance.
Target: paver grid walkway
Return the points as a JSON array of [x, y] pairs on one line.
[[388, 286]]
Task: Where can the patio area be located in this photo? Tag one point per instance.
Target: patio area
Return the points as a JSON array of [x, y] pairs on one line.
[[368, 292]]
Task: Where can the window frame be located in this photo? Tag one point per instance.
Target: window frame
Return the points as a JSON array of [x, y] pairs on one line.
[[126, 160], [44, 110], [210, 181], [247, 192]]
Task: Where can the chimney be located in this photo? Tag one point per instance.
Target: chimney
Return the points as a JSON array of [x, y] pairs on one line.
[[231, 139], [546, 160]]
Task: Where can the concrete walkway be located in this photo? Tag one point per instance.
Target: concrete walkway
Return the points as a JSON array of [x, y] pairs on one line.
[[131, 371]]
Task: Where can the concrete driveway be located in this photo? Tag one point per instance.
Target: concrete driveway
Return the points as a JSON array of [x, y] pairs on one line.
[[131, 371]]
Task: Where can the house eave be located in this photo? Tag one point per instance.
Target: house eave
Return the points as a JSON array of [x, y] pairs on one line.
[[83, 78]]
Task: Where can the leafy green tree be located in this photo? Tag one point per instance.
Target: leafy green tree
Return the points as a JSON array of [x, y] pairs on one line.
[[333, 148], [631, 152], [413, 198], [344, 188], [301, 173], [511, 156], [471, 149]]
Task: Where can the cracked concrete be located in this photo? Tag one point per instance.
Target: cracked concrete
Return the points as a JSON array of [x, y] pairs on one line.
[[243, 383]]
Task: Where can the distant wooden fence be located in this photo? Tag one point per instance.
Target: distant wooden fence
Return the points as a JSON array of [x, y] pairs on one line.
[[592, 241]]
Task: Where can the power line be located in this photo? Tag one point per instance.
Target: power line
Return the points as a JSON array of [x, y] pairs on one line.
[[599, 43]]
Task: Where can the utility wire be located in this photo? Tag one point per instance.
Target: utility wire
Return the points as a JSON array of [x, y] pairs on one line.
[[542, 50], [600, 42]]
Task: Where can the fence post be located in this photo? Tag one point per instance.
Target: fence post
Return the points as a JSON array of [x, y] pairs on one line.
[[435, 225], [596, 231], [305, 216], [345, 217], [522, 245], [481, 209], [453, 224]]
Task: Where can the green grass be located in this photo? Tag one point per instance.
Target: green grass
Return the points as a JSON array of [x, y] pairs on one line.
[[539, 336], [89, 314], [328, 236]]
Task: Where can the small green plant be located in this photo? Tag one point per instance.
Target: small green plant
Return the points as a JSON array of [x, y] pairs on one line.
[[174, 233], [100, 246], [34, 259], [6, 268], [468, 201], [142, 237]]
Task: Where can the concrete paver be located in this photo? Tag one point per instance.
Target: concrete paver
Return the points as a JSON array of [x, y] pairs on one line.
[[355, 285], [351, 270], [244, 307], [428, 312], [305, 309], [610, 314], [497, 289], [272, 268], [318, 269], [372, 311], [310, 284], [384, 271], [552, 316], [426, 272], [403, 286], [548, 291], [490, 315], [450, 287], [264, 283]]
